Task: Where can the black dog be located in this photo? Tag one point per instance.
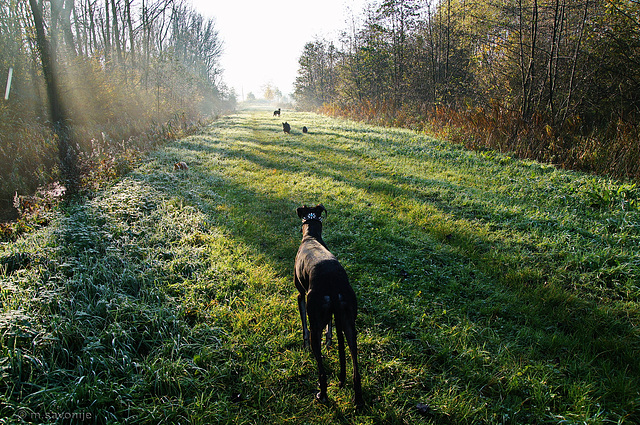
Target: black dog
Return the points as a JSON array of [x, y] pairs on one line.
[[277, 112], [305, 130], [325, 292], [286, 127]]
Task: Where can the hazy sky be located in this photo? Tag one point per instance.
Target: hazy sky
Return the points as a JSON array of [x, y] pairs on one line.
[[263, 39]]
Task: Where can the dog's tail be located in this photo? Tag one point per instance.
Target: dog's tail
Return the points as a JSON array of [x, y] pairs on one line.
[[344, 305], [337, 309]]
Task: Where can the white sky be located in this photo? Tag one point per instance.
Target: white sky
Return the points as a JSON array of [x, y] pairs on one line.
[[263, 39]]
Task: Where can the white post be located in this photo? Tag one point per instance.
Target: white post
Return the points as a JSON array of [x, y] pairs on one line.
[[9, 77]]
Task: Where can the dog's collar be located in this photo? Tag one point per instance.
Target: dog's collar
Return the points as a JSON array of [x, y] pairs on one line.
[[312, 216]]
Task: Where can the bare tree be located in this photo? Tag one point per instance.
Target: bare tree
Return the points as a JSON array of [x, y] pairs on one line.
[[66, 151]]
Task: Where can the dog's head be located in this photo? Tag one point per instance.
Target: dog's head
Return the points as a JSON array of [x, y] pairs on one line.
[[311, 213]]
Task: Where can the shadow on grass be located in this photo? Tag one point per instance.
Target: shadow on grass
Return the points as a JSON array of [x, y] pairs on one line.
[[451, 313], [404, 270]]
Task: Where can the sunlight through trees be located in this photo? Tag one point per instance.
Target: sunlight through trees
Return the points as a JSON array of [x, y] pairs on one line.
[[120, 67]]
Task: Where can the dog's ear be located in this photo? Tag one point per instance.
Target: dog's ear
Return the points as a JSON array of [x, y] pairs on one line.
[[321, 208], [302, 211]]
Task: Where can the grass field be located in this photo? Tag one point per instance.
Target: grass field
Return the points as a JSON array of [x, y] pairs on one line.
[[490, 290]]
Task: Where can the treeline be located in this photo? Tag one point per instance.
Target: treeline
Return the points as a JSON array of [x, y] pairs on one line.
[[553, 80], [129, 72]]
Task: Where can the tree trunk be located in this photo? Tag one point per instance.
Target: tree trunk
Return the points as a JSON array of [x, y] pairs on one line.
[[116, 31], [66, 151], [574, 63], [131, 33], [528, 69]]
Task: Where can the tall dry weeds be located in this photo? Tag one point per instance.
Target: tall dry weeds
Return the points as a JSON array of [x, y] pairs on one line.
[[612, 150]]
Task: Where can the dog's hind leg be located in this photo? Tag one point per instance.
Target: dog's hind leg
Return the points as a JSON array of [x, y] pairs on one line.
[[343, 360], [319, 312], [342, 317], [350, 335], [316, 339]]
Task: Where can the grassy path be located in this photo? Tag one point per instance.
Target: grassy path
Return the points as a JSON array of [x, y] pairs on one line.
[[491, 290]]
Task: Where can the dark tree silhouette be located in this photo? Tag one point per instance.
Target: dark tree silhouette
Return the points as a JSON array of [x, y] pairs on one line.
[[67, 154]]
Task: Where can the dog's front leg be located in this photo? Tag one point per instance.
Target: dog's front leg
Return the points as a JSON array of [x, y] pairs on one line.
[[302, 306]]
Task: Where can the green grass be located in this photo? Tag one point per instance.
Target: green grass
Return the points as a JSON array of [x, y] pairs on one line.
[[490, 290]]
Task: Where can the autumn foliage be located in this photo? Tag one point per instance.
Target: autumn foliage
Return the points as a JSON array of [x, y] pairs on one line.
[[551, 80]]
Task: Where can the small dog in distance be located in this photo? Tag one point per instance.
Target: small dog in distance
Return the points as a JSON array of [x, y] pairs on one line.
[[305, 130], [276, 112], [180, 166]]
